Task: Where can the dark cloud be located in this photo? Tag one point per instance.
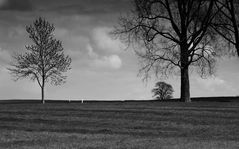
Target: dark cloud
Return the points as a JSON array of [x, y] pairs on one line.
[[90, 7], [16, 5]]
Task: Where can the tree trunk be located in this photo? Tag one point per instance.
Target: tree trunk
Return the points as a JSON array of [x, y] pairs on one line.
[[237, 47], [185, 86], [42, 89], [42, 95]]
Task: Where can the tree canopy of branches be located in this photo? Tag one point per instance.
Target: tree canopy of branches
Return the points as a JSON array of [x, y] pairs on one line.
[[44, 60], [162, 91], [172, 36], [226, 22]]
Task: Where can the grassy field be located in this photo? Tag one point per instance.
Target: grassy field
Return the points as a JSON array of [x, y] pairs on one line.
[[120, 125]]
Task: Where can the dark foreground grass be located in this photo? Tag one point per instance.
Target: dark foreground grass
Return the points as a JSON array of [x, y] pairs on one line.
[[120, 125]]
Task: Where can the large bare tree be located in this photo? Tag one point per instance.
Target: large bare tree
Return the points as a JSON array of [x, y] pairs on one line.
[[173, 36], [44, 60]]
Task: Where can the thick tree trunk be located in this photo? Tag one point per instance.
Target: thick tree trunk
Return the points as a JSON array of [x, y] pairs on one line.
[[185, 86]]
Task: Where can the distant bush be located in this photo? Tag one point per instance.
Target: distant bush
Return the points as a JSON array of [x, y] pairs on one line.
[[163, 91]]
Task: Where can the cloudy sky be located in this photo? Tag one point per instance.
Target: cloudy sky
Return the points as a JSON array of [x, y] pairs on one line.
[[101, 67]]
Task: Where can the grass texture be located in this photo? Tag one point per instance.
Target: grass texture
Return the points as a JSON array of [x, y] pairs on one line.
[[120, 125]]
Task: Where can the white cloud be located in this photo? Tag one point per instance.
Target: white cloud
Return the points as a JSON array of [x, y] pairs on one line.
[[103, 41], [17, 32], [115, 61], [61, 32], [91, 52], [5, 57], [112, 61], [219, 85], [211, 83], [213, 86]]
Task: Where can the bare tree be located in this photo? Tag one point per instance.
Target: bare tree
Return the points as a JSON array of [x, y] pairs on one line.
[[226, 22], [173, 36], [163, 91], [44, 60]]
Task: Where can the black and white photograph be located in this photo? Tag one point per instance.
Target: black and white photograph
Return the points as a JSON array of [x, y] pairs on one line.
[[119, 74]]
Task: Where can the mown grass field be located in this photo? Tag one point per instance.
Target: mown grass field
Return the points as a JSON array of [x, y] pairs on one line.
[[120, 125]]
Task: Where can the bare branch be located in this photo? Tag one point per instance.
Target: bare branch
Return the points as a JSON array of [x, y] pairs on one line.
[[44, 59]]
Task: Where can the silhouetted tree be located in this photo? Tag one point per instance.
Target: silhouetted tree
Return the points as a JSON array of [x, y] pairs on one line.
[[44, 60], [226, 21], [172, 36], [163, 91]]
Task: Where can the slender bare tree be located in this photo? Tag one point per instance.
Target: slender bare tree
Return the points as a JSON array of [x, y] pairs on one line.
[[44, 60], [172, 35], [163, 91]]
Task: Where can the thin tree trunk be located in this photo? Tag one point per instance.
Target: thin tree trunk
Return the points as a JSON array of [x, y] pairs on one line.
[[185, 86], [42, 95], [42, 90]]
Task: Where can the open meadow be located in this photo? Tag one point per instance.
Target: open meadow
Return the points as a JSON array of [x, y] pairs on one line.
[[120, 125]]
